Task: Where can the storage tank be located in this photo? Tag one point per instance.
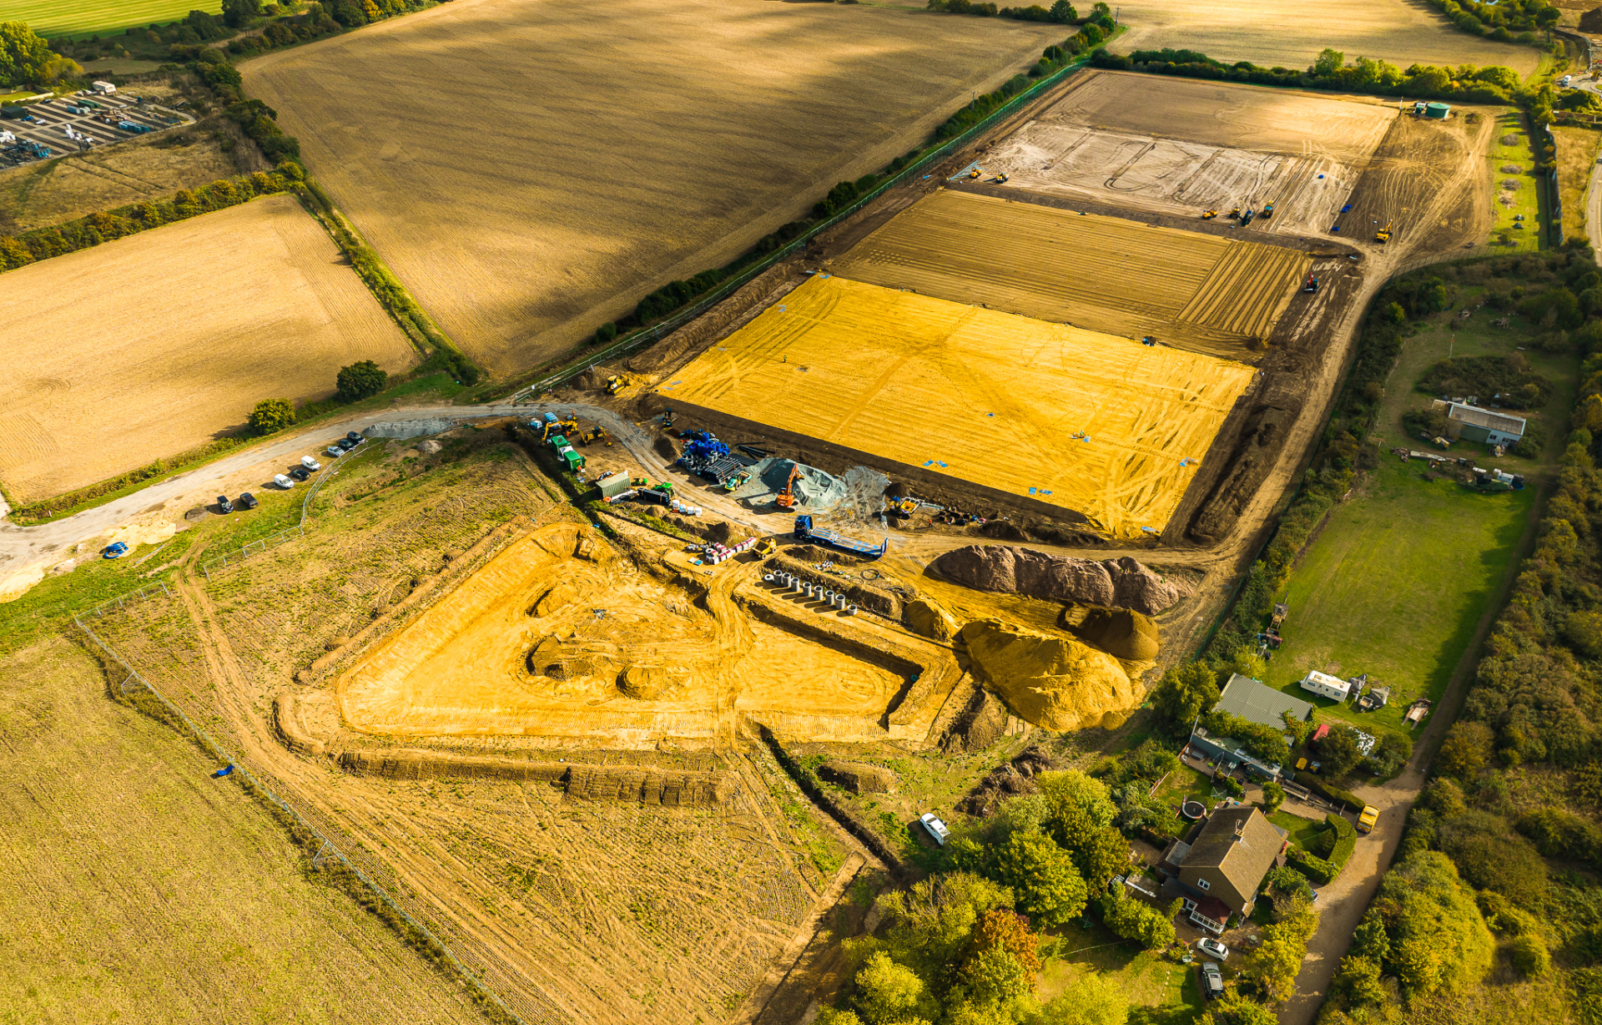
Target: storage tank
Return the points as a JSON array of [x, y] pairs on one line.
[[1438, 111]]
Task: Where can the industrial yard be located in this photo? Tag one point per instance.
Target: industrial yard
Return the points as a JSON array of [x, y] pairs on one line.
[[180, 330], [71, 124]]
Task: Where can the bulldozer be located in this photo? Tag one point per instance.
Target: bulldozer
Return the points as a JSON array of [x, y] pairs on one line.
[[1208, 215], [613, 383], [596, 433], [786, 498], [1384, 234]]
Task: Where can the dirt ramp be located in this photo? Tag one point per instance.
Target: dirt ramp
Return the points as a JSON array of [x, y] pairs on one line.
[[1054, 682], [1115, 583], [619, 783], [1249, 464]]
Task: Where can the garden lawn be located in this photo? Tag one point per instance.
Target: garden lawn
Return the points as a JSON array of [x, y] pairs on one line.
[[1394, 586], [55, 18], [1159, 992], [1510, 148], [1301, 830]]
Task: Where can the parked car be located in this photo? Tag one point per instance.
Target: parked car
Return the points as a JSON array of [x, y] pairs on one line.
[[354, 437], [345, 444], [283, 482], [936, 828], [1212, 981], [311, 465], [114, 551], [223, 505], [247, 501], [1366, 821], [1212, 948], [334, 450], [299, 473]]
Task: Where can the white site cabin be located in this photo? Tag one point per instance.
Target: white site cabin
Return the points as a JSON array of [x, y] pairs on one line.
[[1326, 686]]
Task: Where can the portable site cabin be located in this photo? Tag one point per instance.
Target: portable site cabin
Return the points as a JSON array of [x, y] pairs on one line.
[[103, 88], [1326, 686]]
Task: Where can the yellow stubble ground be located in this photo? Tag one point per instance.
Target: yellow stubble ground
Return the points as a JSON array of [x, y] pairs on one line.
[[1089, 422]]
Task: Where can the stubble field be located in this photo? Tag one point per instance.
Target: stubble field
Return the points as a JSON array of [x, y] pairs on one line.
[[1087, 422], [1106, 274], [171, 336], [532, 170], [1180, 146], [1290, 33]]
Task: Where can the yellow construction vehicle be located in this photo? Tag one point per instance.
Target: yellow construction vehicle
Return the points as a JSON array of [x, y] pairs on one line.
[[975, 173], [786, 498], [1208, 215], [596, 433], [613, 383], [564, 427], [1384, 234], [766, 547], [1235, 212], [1001, 178]]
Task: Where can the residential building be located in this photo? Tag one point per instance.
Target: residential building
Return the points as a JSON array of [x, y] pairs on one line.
[[1471, 423], [1219, 868], [1247, 699]]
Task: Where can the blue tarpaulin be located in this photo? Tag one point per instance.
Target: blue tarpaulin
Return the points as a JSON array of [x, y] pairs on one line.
[[226, 770]]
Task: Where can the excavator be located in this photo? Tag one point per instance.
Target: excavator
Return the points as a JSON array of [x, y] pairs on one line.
[[786, 497], [1384, 234], [568, 426], [1311, 284], [596, 433]]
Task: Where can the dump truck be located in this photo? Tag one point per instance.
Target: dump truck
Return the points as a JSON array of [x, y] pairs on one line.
[[805, 531], [766, 547]]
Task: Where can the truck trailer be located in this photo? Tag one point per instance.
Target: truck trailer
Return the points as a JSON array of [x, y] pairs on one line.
[[805, 531]]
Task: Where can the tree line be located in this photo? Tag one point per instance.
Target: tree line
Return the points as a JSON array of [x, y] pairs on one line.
[[1508, 21], [103, 226], [1465, 84]]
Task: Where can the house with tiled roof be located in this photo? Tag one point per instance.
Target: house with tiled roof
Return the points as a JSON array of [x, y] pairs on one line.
[[1219, 868]]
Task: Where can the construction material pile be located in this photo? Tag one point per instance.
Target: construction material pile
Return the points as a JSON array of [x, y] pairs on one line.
[[814, 489], [1122, 634], [1053, 682], [1120, 584]]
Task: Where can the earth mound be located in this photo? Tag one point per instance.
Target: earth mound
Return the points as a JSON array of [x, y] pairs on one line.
[[1054, 682], [648, 683], [857, 777], [1115, 583], [1122, 634], [925, 618], [1591, 21]]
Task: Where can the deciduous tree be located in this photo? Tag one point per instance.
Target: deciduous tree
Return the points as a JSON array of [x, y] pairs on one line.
[[271, 415]]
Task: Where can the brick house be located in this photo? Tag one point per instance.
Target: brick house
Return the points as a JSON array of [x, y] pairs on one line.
[[1218, 868]]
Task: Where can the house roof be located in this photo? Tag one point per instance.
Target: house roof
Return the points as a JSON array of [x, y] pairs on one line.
[[1241, 843], [1254, 702], [1474, 415]]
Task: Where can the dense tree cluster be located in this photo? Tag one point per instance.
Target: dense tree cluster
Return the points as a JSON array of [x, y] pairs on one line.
[[1465, 84], [26, 58], [103, 226], [1505, 20]]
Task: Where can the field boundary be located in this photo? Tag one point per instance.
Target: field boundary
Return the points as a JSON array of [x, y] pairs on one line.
[[744, 276]]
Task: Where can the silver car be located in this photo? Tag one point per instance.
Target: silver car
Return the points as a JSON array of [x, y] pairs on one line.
[[1212, 981], [1212, 948]]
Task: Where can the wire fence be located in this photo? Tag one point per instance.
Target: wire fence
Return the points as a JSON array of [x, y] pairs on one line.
[[121, 601], [245, 551], [915, 170], [327, 848]]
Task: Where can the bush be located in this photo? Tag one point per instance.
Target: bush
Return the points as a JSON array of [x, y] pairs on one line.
[[1312, 866], [1529, 955], [361, 380], [271, 415], [1345, 840]]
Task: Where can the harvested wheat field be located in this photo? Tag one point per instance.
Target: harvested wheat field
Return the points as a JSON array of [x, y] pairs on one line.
[[1290, 33], [1181, 146], [174, 334], [543, 642], [138, 889], [1102, 426], [558, 162], [1106, 274]]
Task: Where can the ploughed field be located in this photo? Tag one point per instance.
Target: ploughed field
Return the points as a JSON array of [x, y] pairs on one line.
[[1180, 146], [1107, 274], [531, 170], [1097, 425], [156, 343]]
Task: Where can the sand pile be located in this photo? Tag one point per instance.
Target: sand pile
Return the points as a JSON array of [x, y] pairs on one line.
[[1054, 682], [925, 618], [1121, 583], [1122, 634]]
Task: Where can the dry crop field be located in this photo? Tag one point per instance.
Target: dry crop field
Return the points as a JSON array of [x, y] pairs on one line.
[[534, 644], [171, 336], [1106, 274], [531, 170], [1181, 146], [135, 888], [1087, 422], [1290, 33]]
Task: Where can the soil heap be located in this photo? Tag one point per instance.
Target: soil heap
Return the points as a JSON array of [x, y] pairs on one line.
[[1121, 583], [857, 777], [1055, 682], [1122, 634], [925, 618]]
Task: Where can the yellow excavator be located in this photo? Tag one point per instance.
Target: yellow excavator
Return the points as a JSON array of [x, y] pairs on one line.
[[568, 427], [1384, 234]]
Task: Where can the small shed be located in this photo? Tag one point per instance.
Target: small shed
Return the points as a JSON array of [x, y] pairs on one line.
[[615, 485], [1484, 425], [1326, 686]]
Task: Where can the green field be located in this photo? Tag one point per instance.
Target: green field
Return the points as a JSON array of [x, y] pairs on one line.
[[52, 18], [1160, 992], [1524, 197]]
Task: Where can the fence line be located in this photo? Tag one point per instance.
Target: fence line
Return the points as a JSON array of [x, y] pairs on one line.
[[327, 850], [123, 599], [741, 278], [256, 547]]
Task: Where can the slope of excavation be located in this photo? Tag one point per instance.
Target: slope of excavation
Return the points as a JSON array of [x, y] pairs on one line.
[[1102, 426], [1193, 291], [1183, 147], [559, 636]]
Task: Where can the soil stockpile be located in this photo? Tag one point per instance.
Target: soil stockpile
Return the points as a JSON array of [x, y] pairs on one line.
[[857, 777], [1122, 634], [1121, 583], [925, 618], [1054, 682]]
